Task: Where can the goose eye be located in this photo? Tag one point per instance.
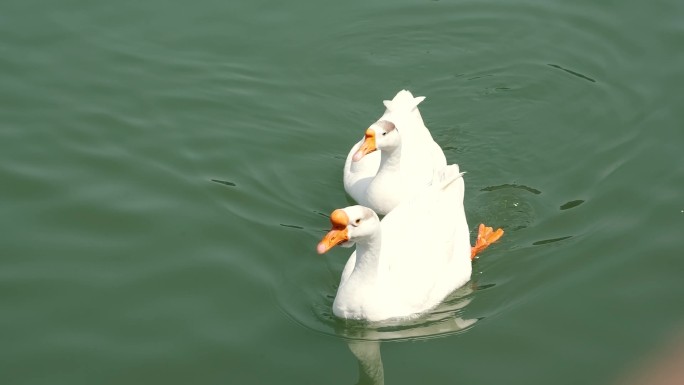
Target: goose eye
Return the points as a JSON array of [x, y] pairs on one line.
[[384, 133], [357, 221]]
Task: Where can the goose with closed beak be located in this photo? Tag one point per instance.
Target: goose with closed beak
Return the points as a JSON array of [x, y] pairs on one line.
[[407, 160]]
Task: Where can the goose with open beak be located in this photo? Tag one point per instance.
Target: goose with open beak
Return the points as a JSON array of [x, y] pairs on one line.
[[410, 261]]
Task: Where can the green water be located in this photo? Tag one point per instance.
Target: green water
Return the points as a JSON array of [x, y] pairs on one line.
[[123, 262]]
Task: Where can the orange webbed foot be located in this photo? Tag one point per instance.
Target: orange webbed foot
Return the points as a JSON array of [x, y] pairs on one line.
[[485, 237]]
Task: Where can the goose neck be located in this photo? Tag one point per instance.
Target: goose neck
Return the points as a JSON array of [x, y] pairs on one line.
[[368, 261], [390, 159]]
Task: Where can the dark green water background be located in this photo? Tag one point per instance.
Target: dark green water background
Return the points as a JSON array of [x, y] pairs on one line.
[[122, 262]]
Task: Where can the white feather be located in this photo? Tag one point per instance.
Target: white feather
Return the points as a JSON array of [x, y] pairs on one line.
[[413, 259], [419, 156]]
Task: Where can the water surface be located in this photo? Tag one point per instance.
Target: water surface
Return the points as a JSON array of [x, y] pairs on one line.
[[167, 169]]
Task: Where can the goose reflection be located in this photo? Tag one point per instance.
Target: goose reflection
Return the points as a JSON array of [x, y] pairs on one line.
[[364, 339]]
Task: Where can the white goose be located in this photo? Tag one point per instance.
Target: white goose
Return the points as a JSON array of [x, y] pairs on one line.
[[381, 180], [409, 262]]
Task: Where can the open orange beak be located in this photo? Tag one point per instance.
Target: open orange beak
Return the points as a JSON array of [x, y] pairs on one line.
[[338, 234], [367, 146]]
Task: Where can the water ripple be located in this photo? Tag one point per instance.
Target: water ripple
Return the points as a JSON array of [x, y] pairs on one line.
[[571, 72]]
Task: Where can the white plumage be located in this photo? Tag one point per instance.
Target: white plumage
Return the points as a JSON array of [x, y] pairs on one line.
[[383, 179], [410, 261]]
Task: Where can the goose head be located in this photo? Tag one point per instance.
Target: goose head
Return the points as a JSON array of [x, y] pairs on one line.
[[381, 135], [349, 225]]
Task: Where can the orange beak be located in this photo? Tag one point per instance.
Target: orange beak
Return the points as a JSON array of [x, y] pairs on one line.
[[367, 146], [338, 234]]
